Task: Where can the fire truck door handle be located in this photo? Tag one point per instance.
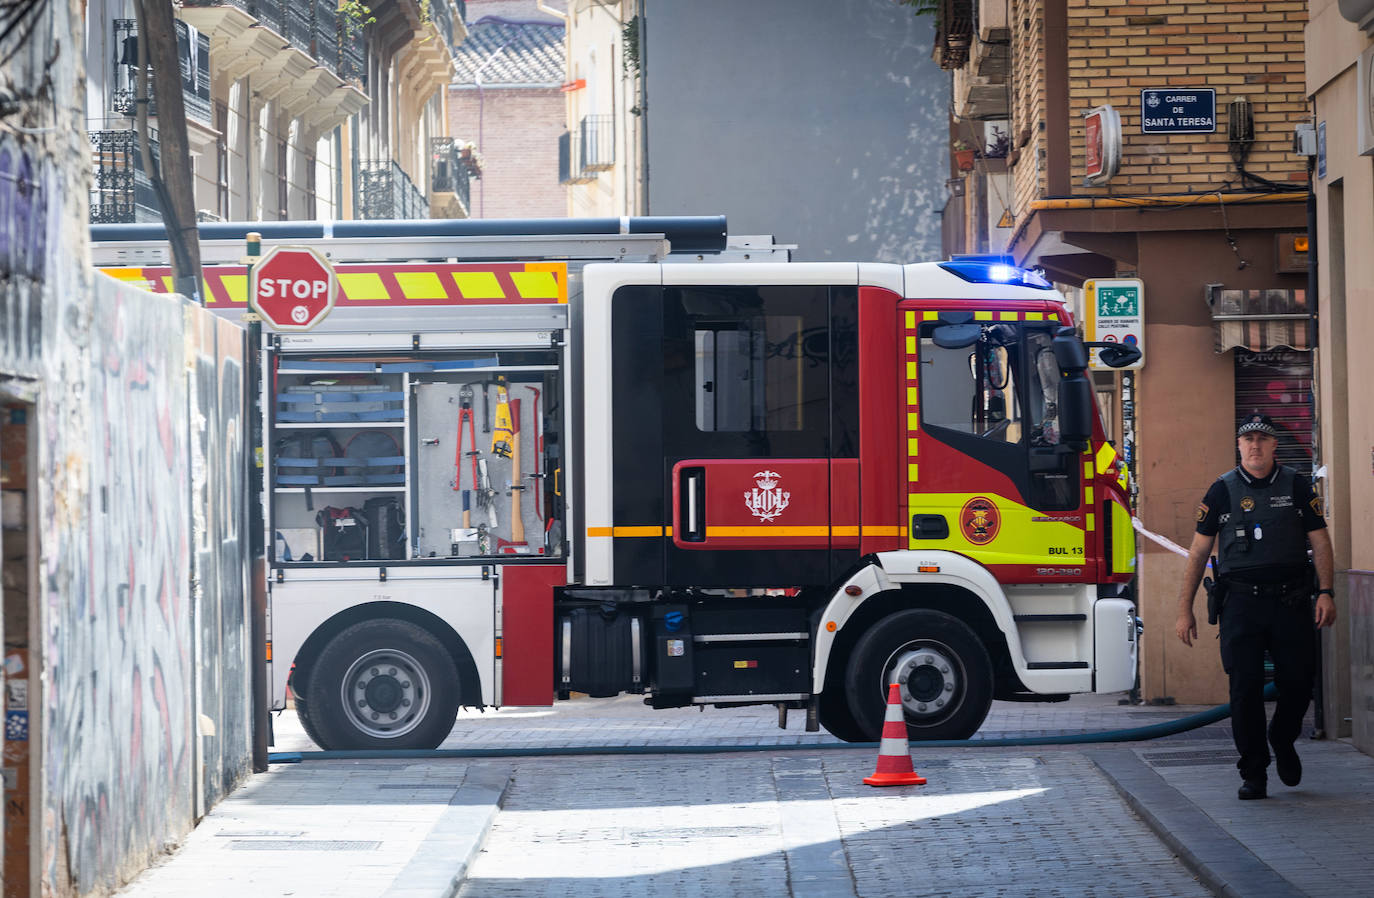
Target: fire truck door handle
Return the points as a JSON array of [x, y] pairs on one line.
[[693, 504], [929, 526]]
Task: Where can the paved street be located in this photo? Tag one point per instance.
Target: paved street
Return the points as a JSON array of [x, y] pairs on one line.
[[1145, 818]]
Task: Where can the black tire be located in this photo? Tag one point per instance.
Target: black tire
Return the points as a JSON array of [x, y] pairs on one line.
[[401, 684], [303, 715], [943, 667], [833, 711]]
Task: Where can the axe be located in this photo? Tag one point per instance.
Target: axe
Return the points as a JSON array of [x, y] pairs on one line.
[[517, 523]]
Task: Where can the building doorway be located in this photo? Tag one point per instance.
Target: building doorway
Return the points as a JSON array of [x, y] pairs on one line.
[[18, 546]]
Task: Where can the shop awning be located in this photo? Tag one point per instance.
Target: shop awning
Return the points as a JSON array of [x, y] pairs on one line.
[[1260, 320]]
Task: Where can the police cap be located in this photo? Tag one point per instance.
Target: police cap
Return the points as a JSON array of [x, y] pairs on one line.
[[1255, 422]]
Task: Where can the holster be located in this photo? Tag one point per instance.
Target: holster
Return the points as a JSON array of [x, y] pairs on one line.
[[1216, 598]]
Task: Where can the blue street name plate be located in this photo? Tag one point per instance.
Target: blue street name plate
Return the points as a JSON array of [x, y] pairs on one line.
[[1185, 110]]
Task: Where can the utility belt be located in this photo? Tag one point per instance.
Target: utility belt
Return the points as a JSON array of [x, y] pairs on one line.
[[1287, 592], [1294, 591]]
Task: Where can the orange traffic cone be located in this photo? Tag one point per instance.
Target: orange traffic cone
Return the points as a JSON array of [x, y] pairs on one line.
[[894, 755]]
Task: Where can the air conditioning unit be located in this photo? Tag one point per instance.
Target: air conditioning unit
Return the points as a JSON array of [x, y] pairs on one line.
[[1305, 140], [1364, 106]]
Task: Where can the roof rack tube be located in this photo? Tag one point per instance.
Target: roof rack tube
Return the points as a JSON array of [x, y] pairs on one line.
[[686, 233]]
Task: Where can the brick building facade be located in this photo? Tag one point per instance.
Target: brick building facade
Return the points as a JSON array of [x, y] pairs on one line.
[[1208, 221], [507, 99]]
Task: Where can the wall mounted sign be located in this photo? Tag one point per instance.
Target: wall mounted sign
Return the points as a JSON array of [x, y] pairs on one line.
[[1182, 110], [1102, 139], [1115, 310]]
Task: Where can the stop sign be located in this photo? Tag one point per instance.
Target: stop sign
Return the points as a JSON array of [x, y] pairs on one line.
[[293, 287]]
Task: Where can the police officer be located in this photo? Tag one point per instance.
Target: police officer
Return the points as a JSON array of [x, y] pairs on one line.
[[1265, 514]]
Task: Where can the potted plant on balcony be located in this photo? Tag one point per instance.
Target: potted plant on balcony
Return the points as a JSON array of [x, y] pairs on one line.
[[469, 158], [999, 146], [963, 154]]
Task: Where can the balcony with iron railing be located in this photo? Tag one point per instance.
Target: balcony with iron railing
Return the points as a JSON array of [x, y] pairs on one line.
[[121, 192], [453, 164], [298, 51], [589, 150], [597, 133], [385, 191], [195, 72]]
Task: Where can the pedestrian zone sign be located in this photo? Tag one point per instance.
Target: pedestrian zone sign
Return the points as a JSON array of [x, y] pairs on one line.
[[1115, 313]]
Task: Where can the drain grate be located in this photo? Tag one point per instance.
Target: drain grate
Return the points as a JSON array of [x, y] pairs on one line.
[[702, 832], [305, 845], [259, 833], [1188, 758]]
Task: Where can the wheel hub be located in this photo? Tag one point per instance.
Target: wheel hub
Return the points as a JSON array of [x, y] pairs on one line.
[[930, 680], [385, 693]]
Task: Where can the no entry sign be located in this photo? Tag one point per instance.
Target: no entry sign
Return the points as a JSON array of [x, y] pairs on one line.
[[293, 288]]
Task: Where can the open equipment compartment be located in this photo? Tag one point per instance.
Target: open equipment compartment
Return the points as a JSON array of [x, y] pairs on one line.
[[426, 458]]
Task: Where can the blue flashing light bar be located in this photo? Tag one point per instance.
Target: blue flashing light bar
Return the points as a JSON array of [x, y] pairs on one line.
[[994, 270]]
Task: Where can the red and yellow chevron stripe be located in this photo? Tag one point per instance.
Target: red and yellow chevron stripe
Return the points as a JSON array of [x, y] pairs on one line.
[[421, 284]]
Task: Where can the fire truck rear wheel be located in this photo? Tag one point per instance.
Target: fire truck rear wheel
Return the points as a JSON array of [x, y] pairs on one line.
[[943, 669], [383, 684], [303, 715]]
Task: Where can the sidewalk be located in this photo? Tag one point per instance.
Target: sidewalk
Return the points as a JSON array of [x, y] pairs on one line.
[[1084, 818]]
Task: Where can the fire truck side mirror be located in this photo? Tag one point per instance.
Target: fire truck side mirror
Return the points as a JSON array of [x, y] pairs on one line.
[[1069, 351], [956, 336], [1116, 355], [1075, 409]]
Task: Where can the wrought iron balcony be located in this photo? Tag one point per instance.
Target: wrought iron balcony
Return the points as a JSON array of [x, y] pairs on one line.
[[325, 34], [570, 169], [208, 4], [195, 72], [450, 174], [121, 192], [385, 191], [269, 13], [598, 142], [299, 20], [442, 14], [352, 60]]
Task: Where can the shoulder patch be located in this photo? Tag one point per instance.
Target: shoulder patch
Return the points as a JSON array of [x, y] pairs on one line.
[[1316, 504], [1202, 510]]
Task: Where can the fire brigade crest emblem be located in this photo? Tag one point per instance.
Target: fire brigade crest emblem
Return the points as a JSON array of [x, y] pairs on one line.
[[767, 500], [980, 520]]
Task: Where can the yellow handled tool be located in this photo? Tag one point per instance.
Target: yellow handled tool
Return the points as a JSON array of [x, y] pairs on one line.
[[503, 429]]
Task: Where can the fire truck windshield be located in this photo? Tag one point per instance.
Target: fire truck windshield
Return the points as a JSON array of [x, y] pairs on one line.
[[1002, 387]]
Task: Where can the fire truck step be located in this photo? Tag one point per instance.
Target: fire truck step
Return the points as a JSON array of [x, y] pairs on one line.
[[1056, 665], [1047, 618], [751, 637]]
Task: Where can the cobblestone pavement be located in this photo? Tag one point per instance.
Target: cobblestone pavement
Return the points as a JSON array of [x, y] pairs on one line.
[[793, 819], [990, 824]]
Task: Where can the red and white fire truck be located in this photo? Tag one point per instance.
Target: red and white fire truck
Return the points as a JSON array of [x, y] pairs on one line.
[[522, 460]]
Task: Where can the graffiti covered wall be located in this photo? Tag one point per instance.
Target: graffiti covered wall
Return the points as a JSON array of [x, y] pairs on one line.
[[147, 704], [140, 718]]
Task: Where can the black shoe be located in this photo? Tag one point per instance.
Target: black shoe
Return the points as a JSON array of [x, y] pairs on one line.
[[1251, 789], [1289, 764]]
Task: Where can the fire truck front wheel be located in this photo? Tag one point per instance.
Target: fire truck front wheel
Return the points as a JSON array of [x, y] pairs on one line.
[[943, 670], [383, 684]]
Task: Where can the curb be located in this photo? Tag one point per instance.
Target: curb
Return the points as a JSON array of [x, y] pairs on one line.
[[1222, 864], [441, 861]]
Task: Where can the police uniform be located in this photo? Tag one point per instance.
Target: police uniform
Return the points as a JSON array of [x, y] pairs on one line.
[[1261, 525]]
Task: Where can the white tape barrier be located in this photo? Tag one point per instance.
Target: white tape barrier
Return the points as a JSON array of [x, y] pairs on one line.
[[1168, 544], [1161, 540]]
